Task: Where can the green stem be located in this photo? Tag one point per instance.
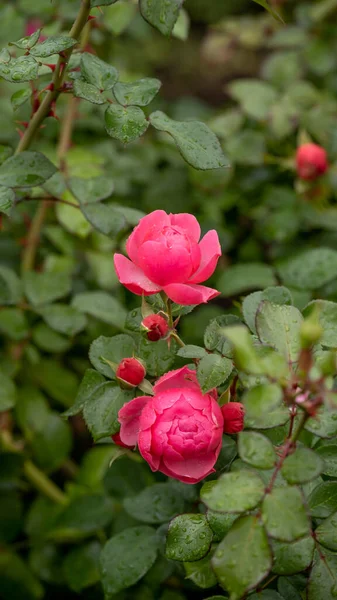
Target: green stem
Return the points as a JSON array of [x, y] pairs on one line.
[[57, 82], [299, 428], [33, 237], [176, 337]]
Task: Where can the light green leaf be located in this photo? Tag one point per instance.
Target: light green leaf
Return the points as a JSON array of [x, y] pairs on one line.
[[328, 453], [161, 14], [113, 349], [324, 424], [102, 306], [7, 392], [102, 2], [263, 409], [137, 93], [279, 326], [125, 124], [91, 190], [41, 288], [190, 351], [63, 318], [53, 45], [220, 523], [87, 91], [101, 411], [256, 450], [18, 70], [256, 97], [13, 323], [189, 538], [245, 356], [27, 42], [198, 145], [244, 277], [104, 217], [243, 558], [118, 17], [81, 566], [293, 557], [51, 445], [26, 169], [284, 514], [97, 72], [310, 270], [7, 198], [323, 499], [20, 97], [276, 294], [326, 533], [48, 340], [233, 492], [327, 315], [158, 357], [215, 338], [302, 466], [212, 371], [155, 504], [126, 558], [323, 577]]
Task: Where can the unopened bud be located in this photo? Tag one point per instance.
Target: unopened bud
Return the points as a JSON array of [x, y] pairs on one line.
[[130, 373], [311, 161], [233, 414], [156, 327]]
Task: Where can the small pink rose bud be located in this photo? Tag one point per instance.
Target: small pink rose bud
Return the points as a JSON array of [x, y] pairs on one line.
[[311, 161], [130, 372], [233, 414], [156, 327], [116, 438]]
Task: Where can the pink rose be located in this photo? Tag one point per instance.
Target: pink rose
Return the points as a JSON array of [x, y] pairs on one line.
[[166, 255], [179, 430], [311, 161], [156, 327]]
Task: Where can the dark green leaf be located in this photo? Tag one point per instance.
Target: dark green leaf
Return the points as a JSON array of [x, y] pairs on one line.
[[97, 72], [48, 340], [53, 45], [287, 589], [125, 477], [323, 578], [220, 523], [161, 14], [137, 93], [244, 277], [82, 517], [255, 97], [311, 269], [104, 217], [101, 411], [214, 336], [302, 466], [155, 504], [56, 380], [63, 318], [263, 409], [17, 581], [293, 557], [245, 356], [328, 453], [277, 295], [198, 145], [113, 349], [7, 198], [10, 286], [284, 514], [326, 533], [81, 566], [91, 190], [89, 92], [327, 315], [190, 351], [102, 2], [102, 306], [31, 411], [243, 558], [324, 424], [45, 559], [126, 557], [323, 499], [233, 492], [125, 124], [158, 357], [279, 326], [51, 445], [212, 371], [11, 511], [7, 392], [26, 169], [256, 450], [41, 288], [89, 384], [18, 70], [201, 572], [13, 323]]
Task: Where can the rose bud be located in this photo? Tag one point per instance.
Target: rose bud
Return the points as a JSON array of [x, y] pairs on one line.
[[233, 414], [156, 327], [130, 372], [116, 438], [311, 161]]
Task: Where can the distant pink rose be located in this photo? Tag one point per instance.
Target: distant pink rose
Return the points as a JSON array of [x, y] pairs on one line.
[[179, 430], [166, 255], [33, 25]]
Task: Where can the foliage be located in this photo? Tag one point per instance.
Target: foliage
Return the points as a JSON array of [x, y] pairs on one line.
[[196, 107]]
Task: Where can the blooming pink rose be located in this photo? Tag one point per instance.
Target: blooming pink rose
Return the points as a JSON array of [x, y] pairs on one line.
[[166, 255], [179, 430]]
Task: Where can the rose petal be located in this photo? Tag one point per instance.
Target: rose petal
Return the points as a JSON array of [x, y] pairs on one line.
[[149, 227], [144, 447], [179, 378], [129, 416], [188, 294], [133, 278], [210, 253], [188, 223], [196, 468], [165, 265]]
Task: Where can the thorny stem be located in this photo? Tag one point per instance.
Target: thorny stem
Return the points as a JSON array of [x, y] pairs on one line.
[[33, 237], [47, 198]]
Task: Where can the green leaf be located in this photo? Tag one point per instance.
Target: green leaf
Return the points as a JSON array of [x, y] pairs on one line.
[[328, 453], [302, 466], [91, 190], [190, 351], [233, 492], [212, 371], [214, 336], [53, 45], [158, 357], [20, 97], [11, 511], [56, 380], [26, 169], [101, 412], [51, 445], [126, 557], [189, 538], [27, 42], [7, 392], [311, 269], [244, 277], [201, 573], [155, 504], [243, 558], [279, 326], [287, 588], [7, 198], [104, 217], [95, 464], [125, 124], [327, 315], [137, 93], [102, 2], [284, 514], [10, 286], [324, 424], [245, 356], [256, 97], [220, 523], [81, 566], [323, 500], [18, 70], [118, 17], [48, 340], [276, 294], [89, 384], [267, 6], [17, 581], [198, 145], [13, 323], [87, 91], [82, 517], [161, 14], [63, 318], [31, 411], [113, 349], [102, 306], [256, 450], [41, 288], [97, 72], [293, 558], [263, 409], [323, 579]]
